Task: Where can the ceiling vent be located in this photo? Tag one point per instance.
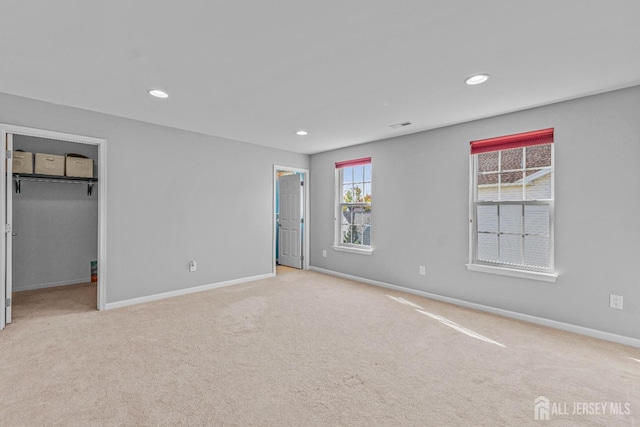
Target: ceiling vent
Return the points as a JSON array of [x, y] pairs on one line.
[[399, 125]]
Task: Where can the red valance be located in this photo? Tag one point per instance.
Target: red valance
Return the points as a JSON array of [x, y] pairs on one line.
[[355, 162], [519, 140]]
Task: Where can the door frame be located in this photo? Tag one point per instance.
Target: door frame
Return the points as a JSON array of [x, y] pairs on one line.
[[7, 243], [102, 199], [305, 216]]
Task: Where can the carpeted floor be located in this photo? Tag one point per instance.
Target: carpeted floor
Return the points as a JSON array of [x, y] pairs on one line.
[[51, 302], [303, 349]]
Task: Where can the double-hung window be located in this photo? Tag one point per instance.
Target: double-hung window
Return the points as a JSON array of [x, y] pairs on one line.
[[353, 206], [512, 205]]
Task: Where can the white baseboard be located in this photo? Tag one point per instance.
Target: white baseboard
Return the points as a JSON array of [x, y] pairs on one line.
[[51, 285], [187, 291], [594, 333]]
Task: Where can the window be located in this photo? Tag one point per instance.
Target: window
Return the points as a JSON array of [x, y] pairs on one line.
[[512, 204], [353, 207]]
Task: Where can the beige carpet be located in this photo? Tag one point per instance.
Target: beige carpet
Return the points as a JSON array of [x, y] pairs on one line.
[[303, 349], [49, 302]]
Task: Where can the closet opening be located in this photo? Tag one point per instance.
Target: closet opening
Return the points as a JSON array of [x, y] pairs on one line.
[[53, 245]]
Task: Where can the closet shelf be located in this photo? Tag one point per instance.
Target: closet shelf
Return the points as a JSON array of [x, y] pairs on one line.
[[18, 177]]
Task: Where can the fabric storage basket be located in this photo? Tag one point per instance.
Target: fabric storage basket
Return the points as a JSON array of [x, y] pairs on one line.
[[79, 165], [22, 162], [49, 164]]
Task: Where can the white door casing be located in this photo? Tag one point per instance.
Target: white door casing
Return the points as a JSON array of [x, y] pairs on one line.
[[8, 229], [290, 221], [6, 185], [3, 236]]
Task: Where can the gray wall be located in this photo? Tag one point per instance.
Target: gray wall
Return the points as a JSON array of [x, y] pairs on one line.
[[173, 196], [421, 213], [56, 224]]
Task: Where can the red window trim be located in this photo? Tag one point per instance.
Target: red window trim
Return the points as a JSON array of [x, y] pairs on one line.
[[518, 140], [354, 162]]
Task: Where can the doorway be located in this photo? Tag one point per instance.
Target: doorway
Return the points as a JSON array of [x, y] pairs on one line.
[[290, 225], [11, 187]]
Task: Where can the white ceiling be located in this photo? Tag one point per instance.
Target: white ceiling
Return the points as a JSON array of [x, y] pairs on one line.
[[258, 71]]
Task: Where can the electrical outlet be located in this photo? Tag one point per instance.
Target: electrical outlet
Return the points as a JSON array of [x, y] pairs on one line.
[[324, 253], [615, 301], [423, 270], [192, 266]]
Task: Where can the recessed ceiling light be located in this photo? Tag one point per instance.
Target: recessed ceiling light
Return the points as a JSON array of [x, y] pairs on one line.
[[158, 93], [302, 132], [477, 79]]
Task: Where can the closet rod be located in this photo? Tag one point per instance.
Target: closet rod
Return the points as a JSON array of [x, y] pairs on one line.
[[63, 179]]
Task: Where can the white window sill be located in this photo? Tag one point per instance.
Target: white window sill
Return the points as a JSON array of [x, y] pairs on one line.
[[504, 271], [361, 251]]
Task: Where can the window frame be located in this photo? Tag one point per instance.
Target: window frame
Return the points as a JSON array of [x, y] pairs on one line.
[[516, 270], [338, 244]]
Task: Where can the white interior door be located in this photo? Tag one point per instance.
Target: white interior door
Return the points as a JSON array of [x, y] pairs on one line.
[[290, 221], [9, 230]]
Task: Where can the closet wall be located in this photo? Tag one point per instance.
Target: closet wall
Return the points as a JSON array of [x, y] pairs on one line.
[[56, 224]]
